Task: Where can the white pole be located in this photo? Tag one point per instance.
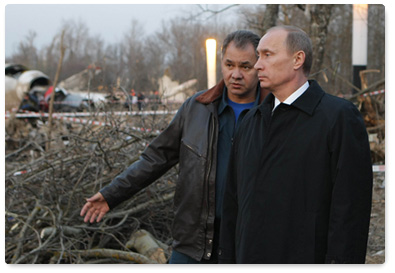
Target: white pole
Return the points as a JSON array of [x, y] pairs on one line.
[[360, 34], [211, 53], [359, 42]]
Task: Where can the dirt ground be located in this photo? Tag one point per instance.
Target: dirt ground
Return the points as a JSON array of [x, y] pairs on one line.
[[376, 243]]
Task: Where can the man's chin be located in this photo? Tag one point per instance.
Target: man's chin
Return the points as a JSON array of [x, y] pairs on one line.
[[237, 92], [264, 84]]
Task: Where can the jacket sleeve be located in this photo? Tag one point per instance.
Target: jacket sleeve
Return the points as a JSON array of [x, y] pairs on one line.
[[227, 250], [352, 176], [160, 155]]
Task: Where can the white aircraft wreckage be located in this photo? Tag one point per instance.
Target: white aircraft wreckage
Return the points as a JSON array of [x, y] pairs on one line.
[[27, 89], [174, 91], [30, 90], [19, 80]]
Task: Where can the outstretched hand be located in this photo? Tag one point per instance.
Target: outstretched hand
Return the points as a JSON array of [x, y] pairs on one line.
[[95, 208]]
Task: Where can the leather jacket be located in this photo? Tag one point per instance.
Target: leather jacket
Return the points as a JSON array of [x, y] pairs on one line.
[[190, 140]]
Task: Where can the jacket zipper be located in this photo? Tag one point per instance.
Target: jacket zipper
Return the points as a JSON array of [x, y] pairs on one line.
[[208, 173], [210, 155], [211, 145]]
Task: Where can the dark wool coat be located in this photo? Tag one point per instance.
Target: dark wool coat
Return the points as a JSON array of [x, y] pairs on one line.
[[300, 185]]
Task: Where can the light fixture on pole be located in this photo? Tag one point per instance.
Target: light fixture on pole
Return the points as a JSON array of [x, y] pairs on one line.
[[211, 53], [359, 41]]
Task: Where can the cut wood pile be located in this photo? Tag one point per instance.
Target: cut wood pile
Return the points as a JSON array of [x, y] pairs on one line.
[[46, 189]]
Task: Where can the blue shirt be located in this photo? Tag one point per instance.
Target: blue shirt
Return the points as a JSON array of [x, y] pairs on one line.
[[230, 115], [239, 107]]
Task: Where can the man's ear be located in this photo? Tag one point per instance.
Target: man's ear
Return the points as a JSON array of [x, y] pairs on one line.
[[299, 58]]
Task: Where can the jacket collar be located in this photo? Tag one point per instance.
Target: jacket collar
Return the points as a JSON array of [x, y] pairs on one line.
[[211, 94], [224, 100], [216, 92], [307, 102]]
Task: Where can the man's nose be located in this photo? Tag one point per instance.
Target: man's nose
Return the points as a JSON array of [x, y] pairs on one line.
[[258, 65], [237, 74]]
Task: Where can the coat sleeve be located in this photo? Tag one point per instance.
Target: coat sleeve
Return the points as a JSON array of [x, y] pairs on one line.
[[227, 250], [160, 155], [352, 178]]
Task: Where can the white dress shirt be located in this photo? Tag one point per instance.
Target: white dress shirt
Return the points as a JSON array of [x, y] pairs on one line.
[[293, 96]]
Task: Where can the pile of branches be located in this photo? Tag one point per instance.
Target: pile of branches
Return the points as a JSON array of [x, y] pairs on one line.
[[46, 189], [370, 101], [373, 112]]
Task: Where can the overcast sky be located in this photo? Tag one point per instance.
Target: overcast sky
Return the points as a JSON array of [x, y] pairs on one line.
[[110, 21]]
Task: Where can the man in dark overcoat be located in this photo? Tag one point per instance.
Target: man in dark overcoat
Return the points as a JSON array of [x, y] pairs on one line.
[[300, 182]]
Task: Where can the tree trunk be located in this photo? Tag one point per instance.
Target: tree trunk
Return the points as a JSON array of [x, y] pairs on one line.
[[270, 17], [320, 17]]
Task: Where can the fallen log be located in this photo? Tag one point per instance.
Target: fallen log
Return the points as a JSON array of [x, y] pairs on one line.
[[105, 253], [147, 245]]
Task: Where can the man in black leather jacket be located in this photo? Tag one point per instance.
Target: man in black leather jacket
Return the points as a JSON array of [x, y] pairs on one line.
[[199, 138]]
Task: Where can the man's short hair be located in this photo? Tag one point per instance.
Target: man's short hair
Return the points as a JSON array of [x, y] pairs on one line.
[[241, 39], [297, 40]]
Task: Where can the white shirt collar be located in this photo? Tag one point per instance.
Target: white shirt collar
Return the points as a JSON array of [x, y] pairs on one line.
[[293, 96]]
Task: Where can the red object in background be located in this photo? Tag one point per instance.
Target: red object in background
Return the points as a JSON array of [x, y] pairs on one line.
[[48, 93]]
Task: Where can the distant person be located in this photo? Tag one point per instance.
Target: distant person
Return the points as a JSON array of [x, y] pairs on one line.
[[300, 180], [129, 100], [199, 138], [140, 100], [134, 97], [154, 100]]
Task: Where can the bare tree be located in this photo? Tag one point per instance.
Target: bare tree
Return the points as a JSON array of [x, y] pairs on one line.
[[337, 63], [134, 57], [155, 60], [376, 42], [261, 17], [184, 44], [27, 52], [270, 17], [320, 15]]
